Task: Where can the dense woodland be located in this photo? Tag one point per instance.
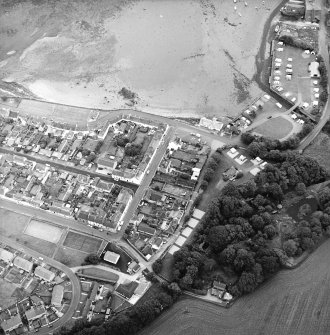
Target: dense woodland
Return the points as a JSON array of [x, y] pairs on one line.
[[238, 228]]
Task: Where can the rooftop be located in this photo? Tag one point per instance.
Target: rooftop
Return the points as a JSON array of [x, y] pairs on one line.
[[111, 257]]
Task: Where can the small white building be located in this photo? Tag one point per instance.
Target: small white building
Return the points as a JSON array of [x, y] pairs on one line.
[[314, 69]]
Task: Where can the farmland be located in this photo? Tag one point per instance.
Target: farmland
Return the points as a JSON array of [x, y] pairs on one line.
[[293, 302]]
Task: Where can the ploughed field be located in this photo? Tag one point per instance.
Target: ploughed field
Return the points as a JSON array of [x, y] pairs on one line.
[[292, 302]]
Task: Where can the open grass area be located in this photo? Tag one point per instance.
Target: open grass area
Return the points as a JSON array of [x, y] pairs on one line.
[[82, 242], [275, 128], [69, 257], [293, 302], [13, 225], [44, 231], [319, 150], [6, 291]]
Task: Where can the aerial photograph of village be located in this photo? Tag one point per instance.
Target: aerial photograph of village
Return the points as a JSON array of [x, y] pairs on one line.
[[164, 167]]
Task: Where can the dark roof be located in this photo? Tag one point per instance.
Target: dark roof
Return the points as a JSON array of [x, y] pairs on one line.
[[127, 290], [219, 286], [83, 215], [107, 162], [145, 229]]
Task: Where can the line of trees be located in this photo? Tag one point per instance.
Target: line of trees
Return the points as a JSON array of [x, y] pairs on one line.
[[295, 42], [212, 166], [237, 228], [131, 320]]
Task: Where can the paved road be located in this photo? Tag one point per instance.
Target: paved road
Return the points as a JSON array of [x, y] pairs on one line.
[[323, 45], [73, 278], [132, 186]]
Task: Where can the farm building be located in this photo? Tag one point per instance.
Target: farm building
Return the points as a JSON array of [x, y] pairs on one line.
[[111, 257], [44, 274], [127, 289], [23, 264]]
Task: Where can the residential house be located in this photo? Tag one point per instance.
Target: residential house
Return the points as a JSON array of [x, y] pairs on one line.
[[144, 229], [44, 274], [6, 255], [36, 312], [23, 264], [57, 295], [11, 324]]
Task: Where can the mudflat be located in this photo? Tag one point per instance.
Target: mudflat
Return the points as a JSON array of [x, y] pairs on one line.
[[189, 57]]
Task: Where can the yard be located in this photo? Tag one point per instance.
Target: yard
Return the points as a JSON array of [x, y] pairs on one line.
[[70, 257], [275, 128], [82, 242], [7, 289]]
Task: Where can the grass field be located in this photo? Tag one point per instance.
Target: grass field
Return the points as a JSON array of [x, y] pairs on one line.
[[13, 225], [81, 242], [294, 302], [44, 231], [69, 257], [319, 150], [6, 289], [275, 128]]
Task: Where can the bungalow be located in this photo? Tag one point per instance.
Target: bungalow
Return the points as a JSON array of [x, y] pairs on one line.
[[57, 295], [11, 324], [127, 290], [6, 255], [144, 229], [44, 274], [157, 243], [23, 264], [133, 267], [35, 313], [107, 164]]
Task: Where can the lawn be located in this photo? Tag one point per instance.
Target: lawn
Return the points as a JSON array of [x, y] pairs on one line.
[[6, 289], [70, 257], [275, 128], [82, 242]]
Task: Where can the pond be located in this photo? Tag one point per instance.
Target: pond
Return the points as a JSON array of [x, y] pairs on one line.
[[303, 209]]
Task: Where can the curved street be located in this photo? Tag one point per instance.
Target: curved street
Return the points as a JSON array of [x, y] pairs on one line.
[[73, 278]]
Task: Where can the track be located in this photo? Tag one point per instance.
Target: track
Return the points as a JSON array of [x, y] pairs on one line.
[[294, 302]]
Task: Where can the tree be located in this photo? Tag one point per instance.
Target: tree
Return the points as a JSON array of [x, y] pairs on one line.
[[218, 238], [92, 259], [301, 189], [244, 260], [290, 247], [256, 149], [247, 138], [257, 222], [157, 266], [208, 175]]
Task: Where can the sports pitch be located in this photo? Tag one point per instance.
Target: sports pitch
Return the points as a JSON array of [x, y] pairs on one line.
[[44, 231], [82, 242]]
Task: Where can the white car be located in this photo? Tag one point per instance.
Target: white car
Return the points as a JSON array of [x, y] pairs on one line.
[[294, 99], [289, 71], [266, 96], [305, 105], [315, 82], [279, 89], [289, 59], [278, 64], [277, 78], [289, 66], [287, 94], [316, 89], [278, 60], [276, 82], [278, 105], [280, 49], [316, 95], [277, 72]]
